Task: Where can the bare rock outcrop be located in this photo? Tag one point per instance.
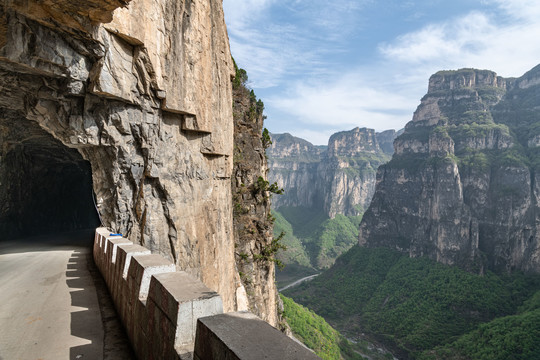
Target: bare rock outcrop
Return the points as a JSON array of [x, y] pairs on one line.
[[461, 187], [142, 90], [338, 178], [253, 222]]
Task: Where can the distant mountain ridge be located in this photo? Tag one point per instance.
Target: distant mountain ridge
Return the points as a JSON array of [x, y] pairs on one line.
[[463, 186], [339, 178]]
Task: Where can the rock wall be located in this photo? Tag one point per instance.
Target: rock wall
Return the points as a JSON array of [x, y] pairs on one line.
[[253, 224], [142, 90], [293, 165], [339, 178], [461, 187]]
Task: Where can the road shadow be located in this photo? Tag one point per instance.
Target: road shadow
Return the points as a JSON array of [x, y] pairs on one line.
[[88, 290], [86, 318]]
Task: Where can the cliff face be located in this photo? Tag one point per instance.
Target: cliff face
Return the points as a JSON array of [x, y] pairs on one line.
[[293, 165], [141, 96], [251, 207], [340, 179], [461, 187]]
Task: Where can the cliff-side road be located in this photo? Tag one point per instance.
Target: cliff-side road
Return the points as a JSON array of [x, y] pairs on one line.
[[49, 306]]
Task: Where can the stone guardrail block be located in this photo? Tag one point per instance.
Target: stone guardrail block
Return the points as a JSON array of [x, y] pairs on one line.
[[141, 269], [182, 300], [123, 259], [158, 306], [99, 240], [110, 253], [242, 336], [166, 313]]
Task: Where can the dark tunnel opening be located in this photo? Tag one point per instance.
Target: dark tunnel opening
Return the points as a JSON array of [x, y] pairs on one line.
[[45, 187]]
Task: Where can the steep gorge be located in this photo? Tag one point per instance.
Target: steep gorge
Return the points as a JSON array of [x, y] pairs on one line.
[[326, 191]]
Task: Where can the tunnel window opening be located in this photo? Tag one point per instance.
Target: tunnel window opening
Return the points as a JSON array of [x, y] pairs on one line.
[[45, 187]]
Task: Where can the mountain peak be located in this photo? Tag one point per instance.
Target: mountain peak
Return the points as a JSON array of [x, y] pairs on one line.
[[464, 78]]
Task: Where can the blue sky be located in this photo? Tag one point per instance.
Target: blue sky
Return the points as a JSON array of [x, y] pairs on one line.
[[326, 66]]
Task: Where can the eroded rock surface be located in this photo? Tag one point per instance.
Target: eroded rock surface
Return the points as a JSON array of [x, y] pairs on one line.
[[461, 187], [142, 91], [339, 178], [253, 224]]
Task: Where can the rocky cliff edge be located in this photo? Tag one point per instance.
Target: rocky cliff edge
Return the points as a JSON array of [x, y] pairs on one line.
[[462, 186]]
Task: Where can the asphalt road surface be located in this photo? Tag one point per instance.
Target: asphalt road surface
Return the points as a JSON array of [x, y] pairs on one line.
[[298, 282], [49, 304]]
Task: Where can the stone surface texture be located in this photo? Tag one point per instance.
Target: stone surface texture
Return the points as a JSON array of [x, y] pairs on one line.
[[142, 91], [339, 178], [462, 186], [241, 335], [158, 305], [253, 227]]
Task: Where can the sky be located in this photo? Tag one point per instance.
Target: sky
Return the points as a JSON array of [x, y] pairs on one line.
[[327, 66]]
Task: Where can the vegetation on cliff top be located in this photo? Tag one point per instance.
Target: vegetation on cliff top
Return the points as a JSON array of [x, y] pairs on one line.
[[416, 305]]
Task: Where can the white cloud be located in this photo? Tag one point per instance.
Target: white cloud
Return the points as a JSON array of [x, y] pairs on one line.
[[381, 95], [503, 43], [351, 101], [273, 50], [442, 41], [240, 13], [265, 49], [519, 9]]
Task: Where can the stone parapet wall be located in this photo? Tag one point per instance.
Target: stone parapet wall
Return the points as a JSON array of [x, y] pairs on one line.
[[168, 314], [158, 305], [242, 335]]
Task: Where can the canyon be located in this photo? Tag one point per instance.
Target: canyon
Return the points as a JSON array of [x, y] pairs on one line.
[[447, 260], [326, 189]]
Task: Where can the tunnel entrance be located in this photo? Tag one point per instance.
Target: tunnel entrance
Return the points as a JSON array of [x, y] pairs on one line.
[[45, 187]]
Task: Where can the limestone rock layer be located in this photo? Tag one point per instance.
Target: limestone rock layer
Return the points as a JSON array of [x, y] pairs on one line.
[[142, 91], [338, 178], [462, 186], [253, 222]]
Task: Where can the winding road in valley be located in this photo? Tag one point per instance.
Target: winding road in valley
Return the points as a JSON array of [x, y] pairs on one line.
[[298, 282]]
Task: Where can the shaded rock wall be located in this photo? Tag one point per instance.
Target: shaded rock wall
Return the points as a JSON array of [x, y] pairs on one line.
[[142, 91], [461, 186]]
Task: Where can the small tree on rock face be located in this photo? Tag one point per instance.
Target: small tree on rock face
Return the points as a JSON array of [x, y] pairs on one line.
[[240, 78], [263, 185], [266, 139], [268, 252]]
